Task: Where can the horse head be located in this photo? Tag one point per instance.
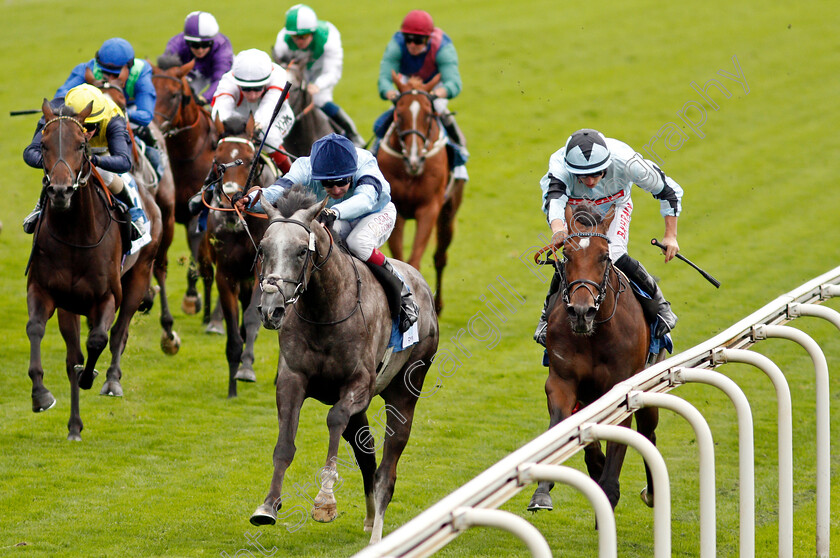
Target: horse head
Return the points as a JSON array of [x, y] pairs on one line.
[[174, 94], [290, 252], [586, 267], [113, 86], [64, 148], [415, 121], [236, 143]]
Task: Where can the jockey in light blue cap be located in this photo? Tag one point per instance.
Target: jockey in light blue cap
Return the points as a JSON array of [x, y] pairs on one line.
[[359, 208]]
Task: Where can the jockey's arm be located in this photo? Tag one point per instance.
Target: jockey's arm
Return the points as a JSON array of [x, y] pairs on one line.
[[363, 200], [118, 159], [143, 109], [390, 61], [222, 63], [450, 76], [332, 62], [670, 238]]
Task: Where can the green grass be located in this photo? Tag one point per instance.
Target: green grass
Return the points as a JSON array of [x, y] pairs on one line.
[[175, 469]]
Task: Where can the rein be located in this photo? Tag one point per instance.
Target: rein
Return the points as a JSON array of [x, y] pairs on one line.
[[80, 180], [184, 100]]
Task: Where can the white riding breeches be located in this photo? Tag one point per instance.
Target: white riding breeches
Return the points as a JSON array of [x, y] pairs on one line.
[[365, 234], [619, 231]]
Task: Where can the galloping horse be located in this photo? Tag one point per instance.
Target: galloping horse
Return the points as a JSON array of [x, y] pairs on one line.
[[311, 123], [335, 326], [76, 265], [413, 159], [164, 192], [596, 339], [191, 141], [232, 247]]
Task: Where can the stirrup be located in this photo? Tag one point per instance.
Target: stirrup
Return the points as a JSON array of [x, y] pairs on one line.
[[31, 221], [409, 312], [541, 332]]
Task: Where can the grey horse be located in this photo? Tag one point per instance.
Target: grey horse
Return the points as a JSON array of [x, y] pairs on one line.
[[335, 326]]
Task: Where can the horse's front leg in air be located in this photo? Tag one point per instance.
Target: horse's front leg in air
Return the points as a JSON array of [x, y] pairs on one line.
[[290, 393], [561, 396], [70, 327], [354, 400], [41, 308], [100, 319]]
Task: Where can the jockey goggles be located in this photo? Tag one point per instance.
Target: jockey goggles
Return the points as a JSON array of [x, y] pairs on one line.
[[200, 44], [416, 39], [335, 182], [256, 89]]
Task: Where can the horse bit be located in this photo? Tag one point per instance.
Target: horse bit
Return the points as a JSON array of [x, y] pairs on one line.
[[270, 285]]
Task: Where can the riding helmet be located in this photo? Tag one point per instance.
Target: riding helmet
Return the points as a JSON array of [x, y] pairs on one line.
[[200, 26], [587, 152], [301, 20], [114, 54], [252, 68], [418, 22], [81, 96], [333, 156]]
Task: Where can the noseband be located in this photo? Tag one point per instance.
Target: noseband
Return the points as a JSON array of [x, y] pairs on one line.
[[183, 101], [569, 288], [429, 149], [271, 284], [80, 180]]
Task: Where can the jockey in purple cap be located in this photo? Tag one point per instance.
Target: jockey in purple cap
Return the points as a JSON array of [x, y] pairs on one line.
[[212, 52]]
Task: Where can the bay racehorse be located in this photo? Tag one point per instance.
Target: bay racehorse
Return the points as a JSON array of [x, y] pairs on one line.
[[191, 142], [311, 123], [163, 189], [77, 266], [335, 326], [414, 160], [597, 337], [231, 244]]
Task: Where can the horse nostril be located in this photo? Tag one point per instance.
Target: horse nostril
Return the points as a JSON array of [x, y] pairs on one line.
[[570, 310], [590, 313]]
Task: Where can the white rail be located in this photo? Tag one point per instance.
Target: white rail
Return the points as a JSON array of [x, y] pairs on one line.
[[436, 527]]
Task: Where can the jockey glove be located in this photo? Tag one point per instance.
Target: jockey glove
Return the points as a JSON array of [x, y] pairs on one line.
[[327, 217]]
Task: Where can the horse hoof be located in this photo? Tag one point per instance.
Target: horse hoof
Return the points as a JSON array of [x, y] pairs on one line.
[[245, 374], [112, 388], [540, 501], [191, 305], [368, 526], [215, 327], [646, 497], [74, 437], [43, 401], [265, 515], [325, 513], [170, 345], [84, 382]]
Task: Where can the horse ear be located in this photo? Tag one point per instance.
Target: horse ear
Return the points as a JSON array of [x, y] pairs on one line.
[[123, 77], [608, 218], [315, 210], [185, 69], [249, 126], [90, 78], [401, 87], [432, 83], [85, 112], [269, 209], [47, 109], [220, 128]]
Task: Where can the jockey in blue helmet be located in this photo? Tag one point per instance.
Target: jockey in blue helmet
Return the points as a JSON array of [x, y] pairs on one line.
[[359, 208]]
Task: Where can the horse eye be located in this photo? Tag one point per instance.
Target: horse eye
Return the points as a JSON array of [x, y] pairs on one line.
[[301, 252]]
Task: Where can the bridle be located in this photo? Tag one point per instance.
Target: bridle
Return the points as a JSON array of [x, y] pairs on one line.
[[80, 180], [429, 148], [569, 288], [183, 101]]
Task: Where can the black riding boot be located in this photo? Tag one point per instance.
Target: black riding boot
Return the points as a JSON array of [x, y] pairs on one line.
[[31, 220], [134, 213], [550, 299], [350, 132], [455, 133], [637, 272], [400, 299]]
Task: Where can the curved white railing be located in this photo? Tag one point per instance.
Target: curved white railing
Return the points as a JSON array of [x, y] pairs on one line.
[[441, 523]]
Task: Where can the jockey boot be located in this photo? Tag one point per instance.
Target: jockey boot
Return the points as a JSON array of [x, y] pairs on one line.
[[395, 290], [343, 120], [639, 275], [154, 157], [282, 161], [135, 213], [455, 134], [548, 305], [31, 220]]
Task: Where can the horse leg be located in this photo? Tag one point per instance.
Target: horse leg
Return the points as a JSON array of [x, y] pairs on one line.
[[354, 399], [250, 329], [612, 468], [395, 241], [399, 415], [647, 419], [41, 308], [358, 435], [101, 317], [192, 300], [233, 347], [445, 231], [561, 396], [290, 393], [169, 340], [426, 217], [70, 327]]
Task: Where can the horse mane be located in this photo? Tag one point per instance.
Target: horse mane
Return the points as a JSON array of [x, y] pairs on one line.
[[414, 82], [294, 199], [587, 215], [169, 60]]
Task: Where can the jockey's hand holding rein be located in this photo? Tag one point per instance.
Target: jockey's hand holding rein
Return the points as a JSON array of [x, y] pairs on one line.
[[243, 203], [440, 92], [670, 238], [312, 89]]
